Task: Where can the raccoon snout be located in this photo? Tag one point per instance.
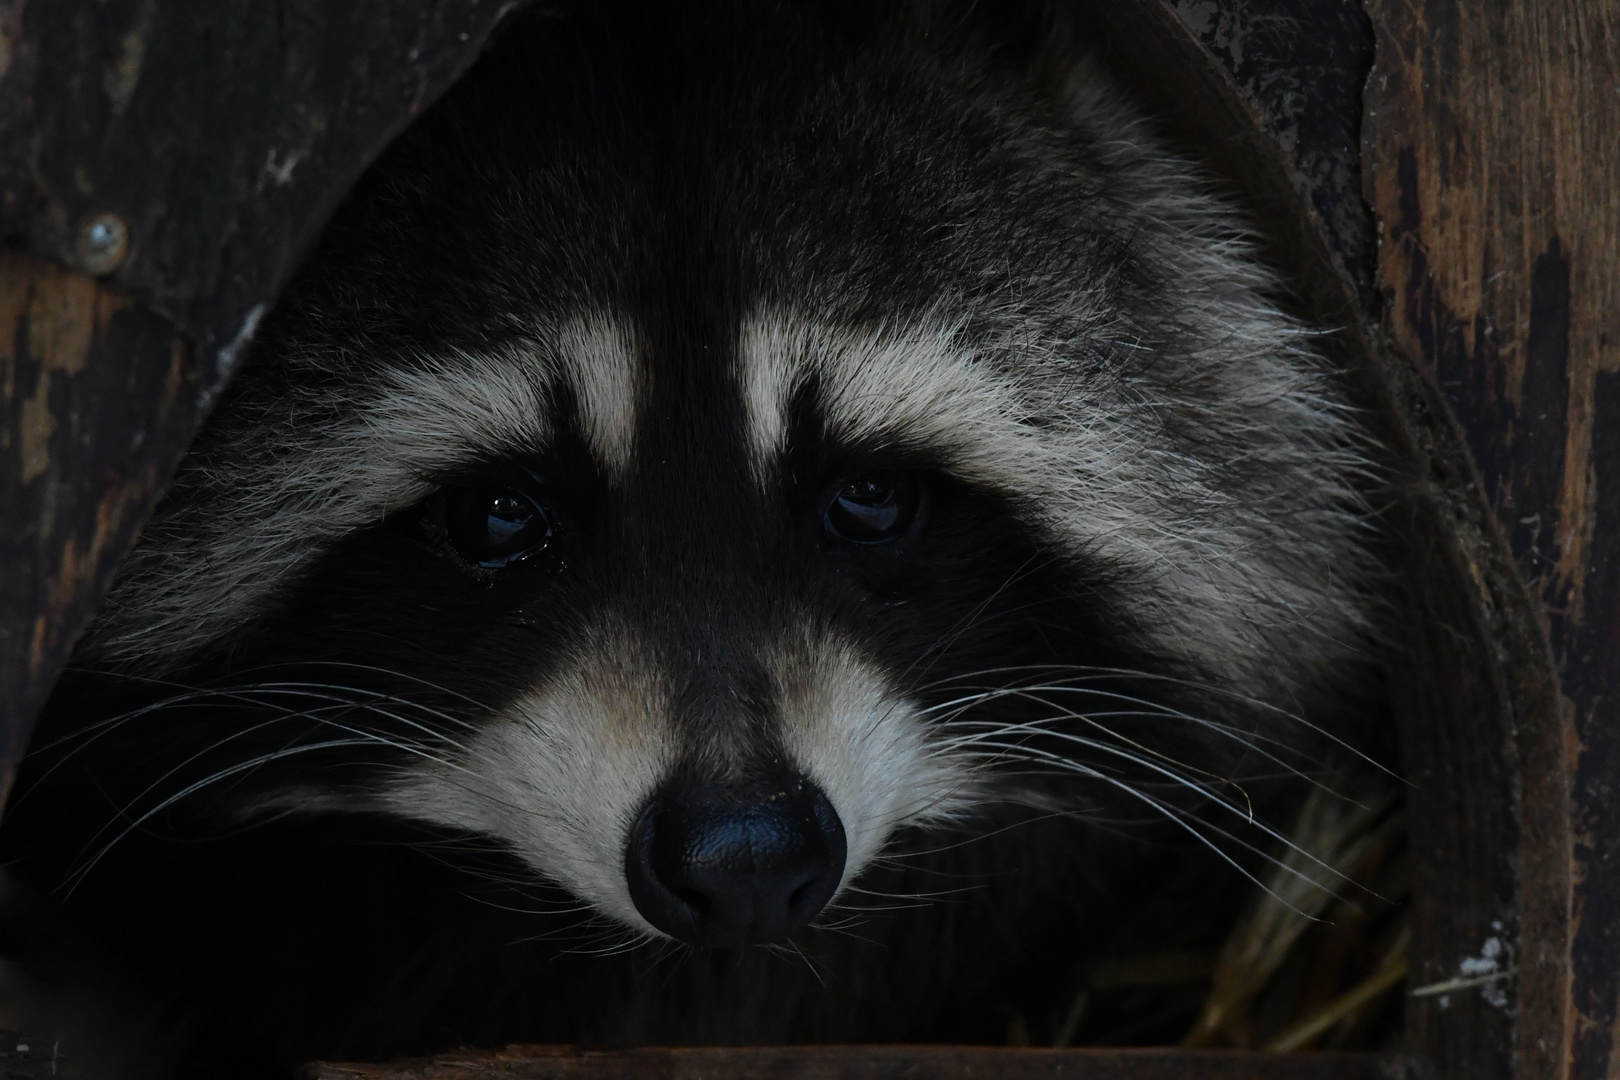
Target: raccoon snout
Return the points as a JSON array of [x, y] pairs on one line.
[[725, 865]]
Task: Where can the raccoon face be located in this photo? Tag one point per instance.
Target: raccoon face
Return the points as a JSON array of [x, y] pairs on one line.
[[695, 482]]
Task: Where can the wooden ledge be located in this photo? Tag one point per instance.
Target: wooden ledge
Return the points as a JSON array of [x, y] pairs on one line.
[[873, 1063]]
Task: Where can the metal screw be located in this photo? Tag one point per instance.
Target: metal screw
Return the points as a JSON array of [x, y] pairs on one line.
[[103, 244]]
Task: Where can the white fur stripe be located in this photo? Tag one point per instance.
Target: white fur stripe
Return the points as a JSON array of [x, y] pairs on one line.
[[308, 474], [869, 750], [914, 387], [599, 360], [1076, 437], [562, 771]]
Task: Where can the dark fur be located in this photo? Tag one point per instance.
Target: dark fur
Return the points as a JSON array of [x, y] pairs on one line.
[[680, 164]]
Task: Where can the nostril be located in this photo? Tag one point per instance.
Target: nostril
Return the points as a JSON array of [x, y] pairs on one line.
[[699, 903], [724, 865]]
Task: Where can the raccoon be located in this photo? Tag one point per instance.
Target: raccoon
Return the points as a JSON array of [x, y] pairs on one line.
[[758, 522]]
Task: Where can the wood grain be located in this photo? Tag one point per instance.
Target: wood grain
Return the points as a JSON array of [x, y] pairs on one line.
[[1492, 154], [219, 136], [1493, 147], [871, 1063], [98, 398], [221, 133]]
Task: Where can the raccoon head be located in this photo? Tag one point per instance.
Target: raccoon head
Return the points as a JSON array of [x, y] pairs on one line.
[[694, 466]]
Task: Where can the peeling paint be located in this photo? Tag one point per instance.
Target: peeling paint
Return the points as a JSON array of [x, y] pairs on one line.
[[123, 74], [1491, 969]]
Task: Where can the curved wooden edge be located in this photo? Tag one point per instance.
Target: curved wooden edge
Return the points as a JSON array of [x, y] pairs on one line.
[[100, 398], [1473, 682], [117, 113], [215, 138], [77, 562], [873, 1063], [1492, 132]]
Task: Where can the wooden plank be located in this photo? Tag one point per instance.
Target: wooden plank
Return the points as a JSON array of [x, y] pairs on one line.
[[1472, 670], [188, 155], [1493, 135], [1301, 65], [98, 398], [219, 135], [872, 1063]]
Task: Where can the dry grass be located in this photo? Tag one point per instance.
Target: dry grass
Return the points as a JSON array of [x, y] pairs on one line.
[[1314, 961]]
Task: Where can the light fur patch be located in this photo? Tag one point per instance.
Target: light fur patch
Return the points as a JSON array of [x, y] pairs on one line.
[[874, 756], [1070, 430], [914, 386], [562, 772], [279, 494], [598, 358]]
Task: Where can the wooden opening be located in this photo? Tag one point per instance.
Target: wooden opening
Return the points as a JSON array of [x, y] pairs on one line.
[[1496, 720]]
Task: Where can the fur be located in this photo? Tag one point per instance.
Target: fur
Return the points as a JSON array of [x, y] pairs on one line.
[[680, 271]]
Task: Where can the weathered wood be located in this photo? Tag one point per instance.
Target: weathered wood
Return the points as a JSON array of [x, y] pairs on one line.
[[98, 398], [1300, 66], [1491, 135], [872, 1063], [190, 153], [193, 154], [1472, 668], [219, 135]]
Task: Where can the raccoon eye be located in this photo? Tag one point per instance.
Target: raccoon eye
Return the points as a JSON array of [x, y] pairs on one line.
[[494, 527], [873, 509]]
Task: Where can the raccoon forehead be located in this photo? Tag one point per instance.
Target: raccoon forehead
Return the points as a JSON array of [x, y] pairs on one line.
[[285, 479], [1211, 469], [917, 385]]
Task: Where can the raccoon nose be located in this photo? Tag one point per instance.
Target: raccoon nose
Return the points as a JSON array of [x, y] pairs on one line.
[[724, 866]]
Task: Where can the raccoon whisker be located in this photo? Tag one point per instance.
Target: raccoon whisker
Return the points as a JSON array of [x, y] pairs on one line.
[[1187, 822], [1093, 719], [595, 928], [240, 694], [879, 894], [1041, 670], [377, 670], [254, 695], [628, 942], [94, 732], [158, 782], [304, 664], [1206, 687], [870, 908], [1184, 820], [926, 807], [437, 736], [408, 747], [116, 720], [993, 729], [894, 858], [393, 673], [1154, 709], [76, 878], [362, 738], [965, 623], [389, 698], [542, 910], [845, 928], [781, 950]]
